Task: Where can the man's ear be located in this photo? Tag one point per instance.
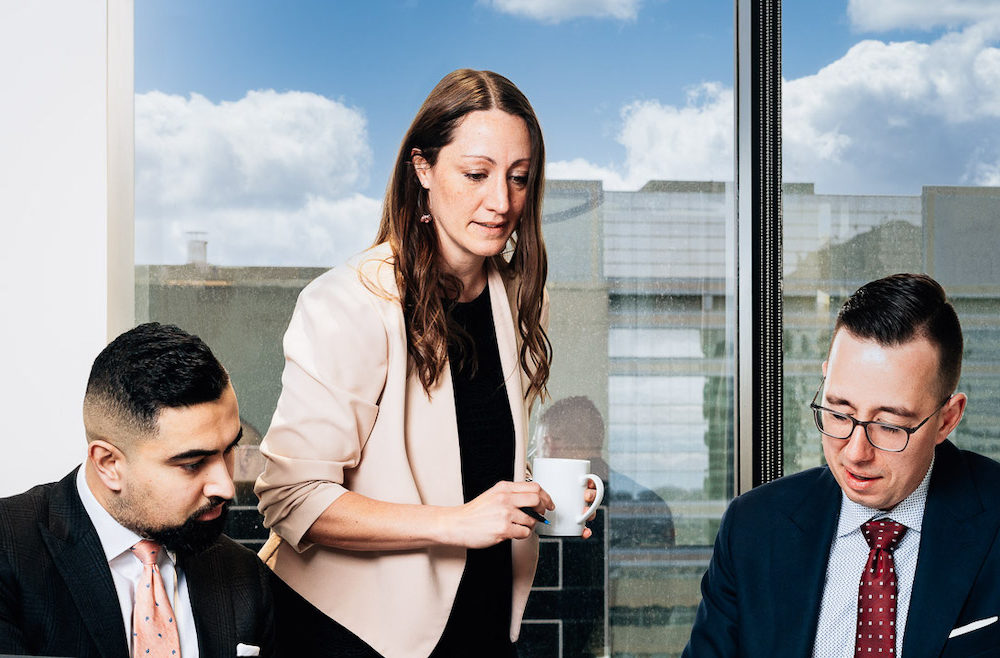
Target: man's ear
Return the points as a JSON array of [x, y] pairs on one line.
[[951, 414], [421, 167], [108, 462]]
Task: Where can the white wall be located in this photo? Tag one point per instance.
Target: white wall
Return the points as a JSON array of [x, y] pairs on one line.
[[65, 196]]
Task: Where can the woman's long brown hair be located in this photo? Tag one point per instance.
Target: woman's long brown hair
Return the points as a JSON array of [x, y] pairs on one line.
[[421, 281]]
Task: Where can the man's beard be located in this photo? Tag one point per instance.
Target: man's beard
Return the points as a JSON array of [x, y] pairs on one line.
[[192, 536]]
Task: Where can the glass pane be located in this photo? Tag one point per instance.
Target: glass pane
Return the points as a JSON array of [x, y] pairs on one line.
[[890, 166], [264, 137]]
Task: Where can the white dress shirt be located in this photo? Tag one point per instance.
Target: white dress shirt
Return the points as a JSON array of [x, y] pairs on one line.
[[116, 540], [838, 612]]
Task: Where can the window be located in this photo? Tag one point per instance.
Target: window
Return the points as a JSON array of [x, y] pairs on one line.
[[890, 166], [264, 135]]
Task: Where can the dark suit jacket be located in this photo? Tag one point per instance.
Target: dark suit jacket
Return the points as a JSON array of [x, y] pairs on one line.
[[762, 591], [57, 597]]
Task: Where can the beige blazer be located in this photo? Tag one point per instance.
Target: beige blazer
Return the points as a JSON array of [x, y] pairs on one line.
[[349, 418]]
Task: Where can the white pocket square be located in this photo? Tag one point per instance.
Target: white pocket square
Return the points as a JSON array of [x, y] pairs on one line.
[[974, 626], [247, 650]]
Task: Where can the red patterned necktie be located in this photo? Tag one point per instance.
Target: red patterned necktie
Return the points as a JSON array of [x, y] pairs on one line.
[[877, 592], [154, 629]]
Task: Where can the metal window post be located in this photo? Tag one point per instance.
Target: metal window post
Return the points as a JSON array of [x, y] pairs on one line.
[[758, 451]]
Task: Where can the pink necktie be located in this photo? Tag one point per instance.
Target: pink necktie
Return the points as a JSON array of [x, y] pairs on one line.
[[154, 629], [877, 592]]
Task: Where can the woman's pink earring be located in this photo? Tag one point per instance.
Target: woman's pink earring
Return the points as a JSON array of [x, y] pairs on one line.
[[425, 218]]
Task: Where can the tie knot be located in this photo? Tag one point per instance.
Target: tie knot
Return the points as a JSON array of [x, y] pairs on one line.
[[147, 551], [883, 534]]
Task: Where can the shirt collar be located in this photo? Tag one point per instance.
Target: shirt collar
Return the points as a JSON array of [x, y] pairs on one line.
[[909, 511], [115, 538]]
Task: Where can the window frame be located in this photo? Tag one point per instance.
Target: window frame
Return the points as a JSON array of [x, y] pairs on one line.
[[758, 451], [757, 229]]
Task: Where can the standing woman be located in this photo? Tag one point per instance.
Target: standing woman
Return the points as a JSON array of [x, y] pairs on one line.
[[396, 457]]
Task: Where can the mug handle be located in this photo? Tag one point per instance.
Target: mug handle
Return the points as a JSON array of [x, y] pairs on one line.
[[597, 501]]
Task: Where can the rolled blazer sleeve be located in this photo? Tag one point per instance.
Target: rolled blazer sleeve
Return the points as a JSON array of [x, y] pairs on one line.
[[336, 357]]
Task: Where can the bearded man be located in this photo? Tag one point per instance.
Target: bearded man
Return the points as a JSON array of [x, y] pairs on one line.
[[124, 556]]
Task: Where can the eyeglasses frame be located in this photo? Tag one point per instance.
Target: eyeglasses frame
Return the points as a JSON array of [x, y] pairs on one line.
[[865, 423]]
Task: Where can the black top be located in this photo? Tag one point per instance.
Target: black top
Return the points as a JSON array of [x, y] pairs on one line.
[[480, 618]]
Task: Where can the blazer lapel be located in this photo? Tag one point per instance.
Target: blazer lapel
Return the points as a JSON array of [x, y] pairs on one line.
[[214, 617], [76, 552], [524, 553], [954, 540], [508, 346], [798, 565]]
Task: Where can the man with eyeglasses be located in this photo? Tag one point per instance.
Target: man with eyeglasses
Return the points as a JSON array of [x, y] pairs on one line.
[[890, 549]]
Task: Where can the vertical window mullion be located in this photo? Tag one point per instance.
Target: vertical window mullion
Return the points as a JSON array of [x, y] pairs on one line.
[[758, 392]]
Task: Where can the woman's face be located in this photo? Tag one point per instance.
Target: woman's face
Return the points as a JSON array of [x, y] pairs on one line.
[[478, 187]]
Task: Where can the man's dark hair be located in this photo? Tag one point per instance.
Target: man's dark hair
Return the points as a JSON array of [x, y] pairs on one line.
[[146, 369], [902, 307]]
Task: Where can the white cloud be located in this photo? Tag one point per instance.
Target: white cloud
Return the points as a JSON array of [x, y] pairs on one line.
[[878, 15], [271, 178], [322, 232], [691, 142], [580, 169], [896, 115], [694, 142], [555, 11], [984, 173], [886, 118]]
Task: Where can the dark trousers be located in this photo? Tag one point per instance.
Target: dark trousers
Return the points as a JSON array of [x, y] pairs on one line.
[[304, 630]]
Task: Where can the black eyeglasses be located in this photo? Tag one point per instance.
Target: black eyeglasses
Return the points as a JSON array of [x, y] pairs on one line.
[[884, 436]]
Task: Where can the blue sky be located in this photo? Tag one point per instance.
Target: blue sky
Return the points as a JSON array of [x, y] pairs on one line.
[[287, 116], [384, 57]]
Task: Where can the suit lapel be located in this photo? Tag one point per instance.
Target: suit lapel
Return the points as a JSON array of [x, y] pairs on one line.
[[214, 617], [798, 565], [954, 541], [76, 551]]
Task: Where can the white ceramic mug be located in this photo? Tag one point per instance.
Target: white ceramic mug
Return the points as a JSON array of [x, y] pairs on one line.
[[565, 480]]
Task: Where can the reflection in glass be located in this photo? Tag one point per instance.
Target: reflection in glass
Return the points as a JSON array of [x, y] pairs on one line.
[[642, 387]]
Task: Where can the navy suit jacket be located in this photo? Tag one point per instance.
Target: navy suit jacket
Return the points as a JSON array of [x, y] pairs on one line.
[[57, 597], [762, 591]]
